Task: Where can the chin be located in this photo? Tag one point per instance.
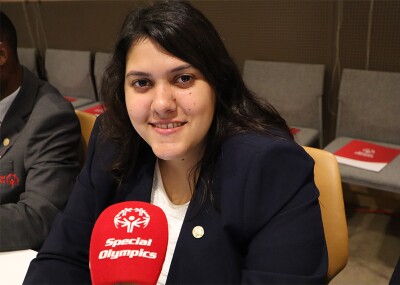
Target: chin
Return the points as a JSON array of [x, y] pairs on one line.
[[167, 155]]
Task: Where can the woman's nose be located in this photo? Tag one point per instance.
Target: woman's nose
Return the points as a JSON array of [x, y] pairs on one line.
[[164, 101]]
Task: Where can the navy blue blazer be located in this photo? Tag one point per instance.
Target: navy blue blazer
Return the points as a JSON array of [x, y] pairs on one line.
[[265, 226]]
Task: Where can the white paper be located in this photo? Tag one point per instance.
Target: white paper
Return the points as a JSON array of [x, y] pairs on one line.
[[14, 265], [373, 166]]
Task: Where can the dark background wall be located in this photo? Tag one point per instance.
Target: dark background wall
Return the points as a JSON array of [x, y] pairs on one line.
[[360, 34]]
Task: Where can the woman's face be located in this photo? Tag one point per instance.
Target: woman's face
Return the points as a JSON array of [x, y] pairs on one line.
[[169, 102]]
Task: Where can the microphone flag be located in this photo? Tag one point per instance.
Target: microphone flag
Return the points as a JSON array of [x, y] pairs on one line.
[[128, 244]]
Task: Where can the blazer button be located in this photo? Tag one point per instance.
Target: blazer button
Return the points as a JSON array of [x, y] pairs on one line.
[[198, 232], [6, 141]]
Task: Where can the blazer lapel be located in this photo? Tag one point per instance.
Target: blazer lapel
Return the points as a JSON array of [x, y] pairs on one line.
[[19, 111]]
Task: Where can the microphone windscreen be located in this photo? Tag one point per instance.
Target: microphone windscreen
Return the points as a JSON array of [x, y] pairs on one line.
[[128, 244]]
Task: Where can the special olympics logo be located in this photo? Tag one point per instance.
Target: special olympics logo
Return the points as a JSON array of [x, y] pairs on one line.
[[366, 152], [9, 179], [131, 218], [369, 151]]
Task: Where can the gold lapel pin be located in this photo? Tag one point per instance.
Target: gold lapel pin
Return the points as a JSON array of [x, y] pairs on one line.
[[198, 232], [6, 141]]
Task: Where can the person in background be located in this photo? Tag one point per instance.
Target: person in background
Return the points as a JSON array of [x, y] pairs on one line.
[[182, 131], [39, 142]]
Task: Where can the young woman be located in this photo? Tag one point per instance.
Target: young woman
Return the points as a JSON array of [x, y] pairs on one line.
[[182, 131]]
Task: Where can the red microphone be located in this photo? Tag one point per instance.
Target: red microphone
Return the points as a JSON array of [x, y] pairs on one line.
[[128, 244]]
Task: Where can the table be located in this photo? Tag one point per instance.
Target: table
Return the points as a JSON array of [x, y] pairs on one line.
[[14, 264]]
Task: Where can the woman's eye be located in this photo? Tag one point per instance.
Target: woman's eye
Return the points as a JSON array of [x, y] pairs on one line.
[[141, 83], [184, 79]]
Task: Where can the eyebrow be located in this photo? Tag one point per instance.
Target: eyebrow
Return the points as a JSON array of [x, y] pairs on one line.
[[145, 74]]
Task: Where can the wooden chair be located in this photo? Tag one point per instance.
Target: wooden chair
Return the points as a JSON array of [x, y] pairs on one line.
[[327, 179], [86, 121]]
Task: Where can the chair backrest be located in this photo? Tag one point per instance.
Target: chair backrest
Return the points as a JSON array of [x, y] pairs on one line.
[[70, 71], [28, 58], [294, 89], [327, 179], [86, 121], [101, 60], [369, 104]]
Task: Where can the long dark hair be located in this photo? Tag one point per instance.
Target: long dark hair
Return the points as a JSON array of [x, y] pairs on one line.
[[186, 33]]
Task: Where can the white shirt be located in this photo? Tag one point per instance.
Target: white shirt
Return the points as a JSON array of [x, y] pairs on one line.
[[5, 104], [175, 216]]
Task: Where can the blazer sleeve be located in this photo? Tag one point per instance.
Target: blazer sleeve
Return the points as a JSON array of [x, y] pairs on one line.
[[51, 162], [270, 208], [63, 259], [286, 242]]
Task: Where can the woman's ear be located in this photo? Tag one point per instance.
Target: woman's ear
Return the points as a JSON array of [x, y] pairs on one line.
[[3, 54]]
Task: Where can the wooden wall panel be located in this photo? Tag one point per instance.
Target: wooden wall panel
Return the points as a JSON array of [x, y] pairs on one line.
[[277, 30]]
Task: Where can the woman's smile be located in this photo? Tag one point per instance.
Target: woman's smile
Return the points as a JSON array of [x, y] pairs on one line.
[[168, 125]]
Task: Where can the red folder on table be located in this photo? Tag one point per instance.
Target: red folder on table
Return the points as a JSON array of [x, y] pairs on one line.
[[294, 130], [97, 109], [366, 155], [70, 99]]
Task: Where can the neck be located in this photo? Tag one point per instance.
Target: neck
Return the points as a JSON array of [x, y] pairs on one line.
[[10, 83], [177, 179]]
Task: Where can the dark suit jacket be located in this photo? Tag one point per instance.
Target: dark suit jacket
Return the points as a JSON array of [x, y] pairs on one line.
[[39, 139], [267, 228]]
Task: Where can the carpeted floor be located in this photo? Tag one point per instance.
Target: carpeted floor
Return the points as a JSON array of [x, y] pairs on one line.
[[374, 247]]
